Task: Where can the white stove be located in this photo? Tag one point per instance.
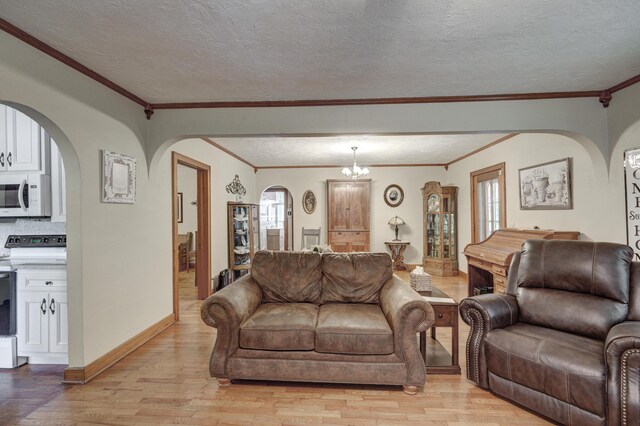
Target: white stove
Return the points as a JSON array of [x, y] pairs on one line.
[[36, 249], [25, 250]]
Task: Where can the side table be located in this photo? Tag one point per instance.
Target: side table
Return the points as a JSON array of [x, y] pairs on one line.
[[436, 357], [397, 253]]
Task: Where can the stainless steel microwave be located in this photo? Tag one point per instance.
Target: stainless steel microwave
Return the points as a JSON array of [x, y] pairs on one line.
[[25, 195]]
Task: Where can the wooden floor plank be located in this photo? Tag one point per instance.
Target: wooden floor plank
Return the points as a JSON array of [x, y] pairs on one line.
[[167, 382]]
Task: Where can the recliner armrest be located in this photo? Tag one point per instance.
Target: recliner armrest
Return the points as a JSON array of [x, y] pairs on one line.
[[485, 313], [226, 310], [622, 355], [407, 313], [497, 310]]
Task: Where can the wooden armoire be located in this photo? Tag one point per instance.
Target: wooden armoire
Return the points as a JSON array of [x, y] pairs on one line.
[[348, 209]]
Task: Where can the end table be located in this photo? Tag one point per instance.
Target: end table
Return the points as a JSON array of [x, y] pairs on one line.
[[436, 357], [397, 253]]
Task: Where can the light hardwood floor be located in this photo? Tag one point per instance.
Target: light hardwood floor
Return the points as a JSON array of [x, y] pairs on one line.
[[167, 382]]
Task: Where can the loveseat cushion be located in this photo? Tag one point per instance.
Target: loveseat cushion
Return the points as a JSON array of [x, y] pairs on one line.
[[288, 276], [280, 327], [354, 277], [565, 366], [353, 328]]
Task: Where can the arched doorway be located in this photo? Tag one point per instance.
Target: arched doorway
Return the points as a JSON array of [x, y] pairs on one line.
[[276, 219], [59, 153]]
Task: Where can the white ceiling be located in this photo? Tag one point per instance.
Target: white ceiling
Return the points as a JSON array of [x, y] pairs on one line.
[[372, 149], [206, 50]]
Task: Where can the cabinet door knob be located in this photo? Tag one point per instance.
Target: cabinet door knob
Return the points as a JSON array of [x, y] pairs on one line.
[[9, 159], [2, 159], [48, 283], [52, 306], [43, 306]]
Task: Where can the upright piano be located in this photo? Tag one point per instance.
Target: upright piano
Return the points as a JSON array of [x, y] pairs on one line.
[[488, 261]]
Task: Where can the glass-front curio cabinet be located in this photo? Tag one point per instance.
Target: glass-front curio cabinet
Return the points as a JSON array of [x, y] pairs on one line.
[[244, 237], [440, 229]]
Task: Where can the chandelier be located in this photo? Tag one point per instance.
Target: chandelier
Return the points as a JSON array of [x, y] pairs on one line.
[[355, 172]]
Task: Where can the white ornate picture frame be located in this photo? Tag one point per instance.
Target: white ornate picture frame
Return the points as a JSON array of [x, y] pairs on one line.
[[118, 178]]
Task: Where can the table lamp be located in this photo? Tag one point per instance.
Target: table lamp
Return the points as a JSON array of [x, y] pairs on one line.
[[395, 221]]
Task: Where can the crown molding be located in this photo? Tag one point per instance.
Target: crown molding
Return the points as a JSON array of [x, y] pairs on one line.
[[604, 96], [72, 63], [482, 148], [333, 166], [629, 82], [379, 101], [229, 152]]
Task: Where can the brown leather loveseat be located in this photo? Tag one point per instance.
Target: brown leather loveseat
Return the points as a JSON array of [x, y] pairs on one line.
[[565, 339], [341, 318]]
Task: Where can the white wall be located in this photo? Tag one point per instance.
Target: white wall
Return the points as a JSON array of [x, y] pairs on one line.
[[188, 186], [116, 287], [410, 179], [596, 213]]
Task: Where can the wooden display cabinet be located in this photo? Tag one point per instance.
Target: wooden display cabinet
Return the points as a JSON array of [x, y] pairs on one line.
[[243, 235], [348, 209], [440, 229]]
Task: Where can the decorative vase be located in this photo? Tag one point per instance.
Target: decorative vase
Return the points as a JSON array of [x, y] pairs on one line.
[[557, 188], [540, 185]]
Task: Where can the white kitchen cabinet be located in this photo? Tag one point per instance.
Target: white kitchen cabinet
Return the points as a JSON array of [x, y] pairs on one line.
[[43, 330], [33, 328], [24, 146], [58, 186]]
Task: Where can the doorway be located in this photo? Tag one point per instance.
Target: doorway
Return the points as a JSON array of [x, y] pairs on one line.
[[194, 253], [488, 202], [276, 219]]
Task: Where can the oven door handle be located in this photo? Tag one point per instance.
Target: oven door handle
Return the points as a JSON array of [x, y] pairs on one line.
[[21, 194]]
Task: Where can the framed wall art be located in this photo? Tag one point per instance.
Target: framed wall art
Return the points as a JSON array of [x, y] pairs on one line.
[[632, 198], [118, 178], [180, 208], [393, 195], [309, 202], [546, 186]]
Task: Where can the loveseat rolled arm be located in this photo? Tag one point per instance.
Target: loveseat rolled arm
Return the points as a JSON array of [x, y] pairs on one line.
[[485, 313], [407, 313], [226, 310], [622, 354]]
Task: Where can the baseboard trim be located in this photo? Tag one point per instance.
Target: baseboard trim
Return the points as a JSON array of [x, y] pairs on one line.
[[82, 375]]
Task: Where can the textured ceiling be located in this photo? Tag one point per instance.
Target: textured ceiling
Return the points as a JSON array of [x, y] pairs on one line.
[[206, 50], [372, 149]]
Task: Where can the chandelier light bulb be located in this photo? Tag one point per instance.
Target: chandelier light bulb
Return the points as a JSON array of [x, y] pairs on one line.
[[355, 172]]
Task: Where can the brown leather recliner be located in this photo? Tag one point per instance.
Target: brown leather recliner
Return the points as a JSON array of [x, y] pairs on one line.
[[342, 318], [565, 339]]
